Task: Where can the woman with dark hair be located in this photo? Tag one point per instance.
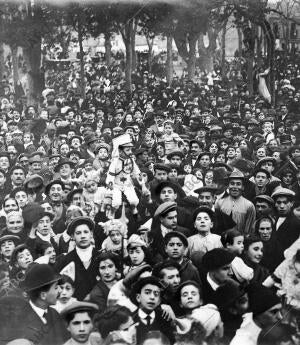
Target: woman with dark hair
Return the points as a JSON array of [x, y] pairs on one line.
[[109, 266], [160, 152], [213, 149], [252, 256]]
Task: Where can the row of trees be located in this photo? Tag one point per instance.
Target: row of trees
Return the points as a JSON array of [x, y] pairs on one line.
[[27, 23]]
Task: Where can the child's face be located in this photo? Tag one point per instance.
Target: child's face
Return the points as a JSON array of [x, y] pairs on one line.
[[91, 186], [44, 226], [168, 129], [136, 255], [238, 245], [175, 248], [115, 237], [66, 292], [187, 169], [7, 248], [190, 297], [52, 255], [24, 259]]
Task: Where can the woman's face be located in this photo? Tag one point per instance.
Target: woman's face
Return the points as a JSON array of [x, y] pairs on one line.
[[10, 205], [243, 144], [273, 143], [265, 230], [136, 255], [64, 150], [14, 223], [4, 163], [160, 151], [220, 158], [107, 271], [255, 252]]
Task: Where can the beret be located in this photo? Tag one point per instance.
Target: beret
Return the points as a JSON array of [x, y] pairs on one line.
[[217, 258], [79, 221], [79, 306], [177, 234], [164, 208]]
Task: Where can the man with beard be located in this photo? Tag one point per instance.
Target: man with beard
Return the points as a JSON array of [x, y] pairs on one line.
[[235, 205]]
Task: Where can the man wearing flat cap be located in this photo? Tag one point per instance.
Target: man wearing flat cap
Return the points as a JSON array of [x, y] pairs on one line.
[[164, 221], [287, 224], [81, 263], [264, 206], [40, 323], [79, 320]]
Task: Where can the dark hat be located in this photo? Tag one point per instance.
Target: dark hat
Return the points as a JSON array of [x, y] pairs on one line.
[[223, 165], [164, 264], [33, 212], [140, 151], [265, 198], [211, 189], [71, 152], [133, 275], [228, 293], [220, 174], [13, 238], [90, 138], [39, 275], [205, 153], [72, 193], [4, 154], [205, 209], [35, 159], [261, 298], [165, 208], [176, 187], [55, 155], [264, 160], [164, 167], [33, 181], [190, 202], [263, 171], [217, 258], [63, 161], [79, 221], [79, 306], [285, 138], [53, 182], [177, 234], [175, 153]]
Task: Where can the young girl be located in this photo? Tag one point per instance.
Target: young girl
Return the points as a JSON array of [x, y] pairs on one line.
[[233, 241], [66, 292], [204, 240], [116, 233], [137, 253], [170, 138], [21, 258]]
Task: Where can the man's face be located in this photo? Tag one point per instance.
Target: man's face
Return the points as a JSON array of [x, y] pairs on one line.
[[235, 188], [206, 199], [220, 275], [149, 297], [190, 297], [80, 327], [56, 193], [75, 143], [65, 170], [175, 249], [82, 236], [170, 220], [195, 150], [176, 160], [265, 230], [36, 167], [283, 205], [18, 177], [44, 226], [270, 317], [161, 175], [167, 194], [171, 278], [262, 208], [205, 161], [52, 294], [21, 198], [261, 179], [4, 163]]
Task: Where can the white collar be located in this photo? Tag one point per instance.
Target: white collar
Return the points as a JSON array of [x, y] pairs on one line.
[[39, 311], [45, 238], [143, 316], [85, 255], [213, 285], [164, 230]]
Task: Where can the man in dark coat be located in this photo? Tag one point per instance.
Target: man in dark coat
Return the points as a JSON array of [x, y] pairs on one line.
[[147, 295], [35, 320], [81, 263]]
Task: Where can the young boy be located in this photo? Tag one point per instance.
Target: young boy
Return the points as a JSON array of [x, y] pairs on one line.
[[170, 138], [7, 245], [233, 241], [176, 245]]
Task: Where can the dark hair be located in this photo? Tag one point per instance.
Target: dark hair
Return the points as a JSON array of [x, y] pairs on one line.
[[263, 218], [227, 237], [41, 248], [147, 254], [66, 279], [111, 319], [250, 240], [69, 317], [109, 256], [157, 335]]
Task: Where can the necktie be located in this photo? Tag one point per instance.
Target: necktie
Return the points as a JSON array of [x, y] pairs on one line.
[[46, 316], [148, 320]]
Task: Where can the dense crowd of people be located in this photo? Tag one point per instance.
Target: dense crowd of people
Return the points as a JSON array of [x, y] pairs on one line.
[[167, 215]]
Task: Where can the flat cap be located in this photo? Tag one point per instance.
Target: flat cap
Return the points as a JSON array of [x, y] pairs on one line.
[[13, 238], [79, 306], [177, 234], [79, 221], [280, 191], [164, 208], [264, 160], [266, 198], [175, 153]]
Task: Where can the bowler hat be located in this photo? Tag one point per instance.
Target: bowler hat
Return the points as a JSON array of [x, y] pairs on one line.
[[39, 275], [175, 153], [33, 212]]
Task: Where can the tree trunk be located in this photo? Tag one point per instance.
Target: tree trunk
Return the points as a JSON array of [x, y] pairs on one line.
[[205, 55], [133, 54], [223, 49], [107, 45], [2, 62], [35, 80], [81, 57], [191, 61], [150, 42], [250, 60], [15, 65], [169, 62], [240, 41], [127, 35]]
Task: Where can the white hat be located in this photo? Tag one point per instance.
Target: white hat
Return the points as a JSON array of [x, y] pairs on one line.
[[208, 316]]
